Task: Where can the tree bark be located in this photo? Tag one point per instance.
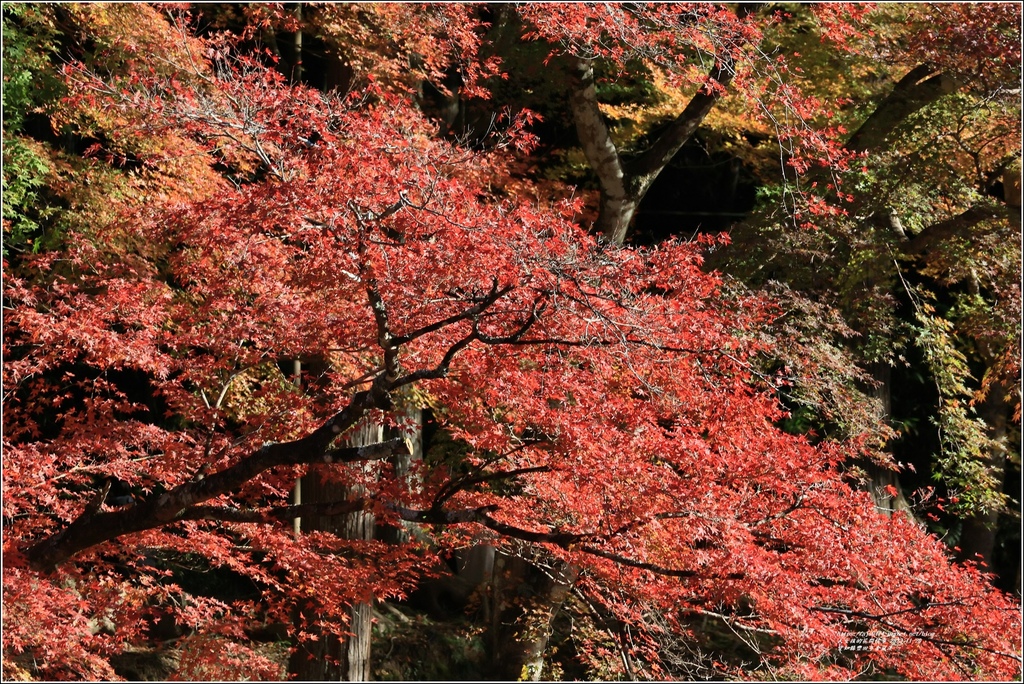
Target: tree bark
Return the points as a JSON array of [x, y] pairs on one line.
[[624, 185], [918, 88], [526, 598], [297, 71], [402, 465], [960, 225], [330, 658]]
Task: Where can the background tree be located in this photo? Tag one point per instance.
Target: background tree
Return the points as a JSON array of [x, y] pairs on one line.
[[920, 259]]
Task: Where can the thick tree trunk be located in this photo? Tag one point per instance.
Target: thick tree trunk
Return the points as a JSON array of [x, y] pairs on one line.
[[624, 185], [978, 539], [526, 600], [330, 658]]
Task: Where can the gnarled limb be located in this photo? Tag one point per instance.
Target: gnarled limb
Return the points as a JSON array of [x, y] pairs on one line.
[[623, 185], [183, 502], [920, 87]]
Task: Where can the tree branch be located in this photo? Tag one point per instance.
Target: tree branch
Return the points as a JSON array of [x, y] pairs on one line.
[[919, 88], [656, 569], [459, 483], [645, 168], [441, 369], [482, 305], [480, 516], [624, 185], [90, 529], [379, 309], [960, 224], [562, 342]]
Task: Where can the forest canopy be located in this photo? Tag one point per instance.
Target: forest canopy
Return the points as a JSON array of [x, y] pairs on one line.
[[565, 341]]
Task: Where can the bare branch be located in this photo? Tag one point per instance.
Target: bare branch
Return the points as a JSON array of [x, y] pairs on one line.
[[482, 305], [657, 569], [454, 486], [441, 369]]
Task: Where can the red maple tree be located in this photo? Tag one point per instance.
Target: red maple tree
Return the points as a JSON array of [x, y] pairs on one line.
[[603, 397]]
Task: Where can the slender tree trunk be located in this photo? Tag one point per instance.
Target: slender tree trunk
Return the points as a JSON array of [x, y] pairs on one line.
[[617, 206], [297, 489], [297, 71]]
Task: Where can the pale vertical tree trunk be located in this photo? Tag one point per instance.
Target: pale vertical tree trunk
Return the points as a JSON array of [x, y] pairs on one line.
[[349, 659], [625, 184], [330, 658], [526, 600], [297, 72], [402, 463], [297, 490]]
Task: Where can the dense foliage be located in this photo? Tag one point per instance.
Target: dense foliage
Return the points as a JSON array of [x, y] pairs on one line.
[[189, 217]]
